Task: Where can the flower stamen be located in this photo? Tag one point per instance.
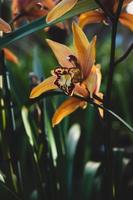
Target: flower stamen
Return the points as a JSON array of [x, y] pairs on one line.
[[72, 59], [66, 78]]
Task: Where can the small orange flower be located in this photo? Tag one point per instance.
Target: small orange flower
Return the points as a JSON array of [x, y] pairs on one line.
[[76, 74], [30, 9]]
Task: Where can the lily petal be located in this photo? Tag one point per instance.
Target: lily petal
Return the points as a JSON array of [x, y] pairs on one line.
[[85, 51], [45, 86], [90, 57], [101, 111], [4, 26], [81, 44], [80, 89], [126, 19], [93, 82], [61, 52], [90, 17], [66, 108], [99, 78], [60, 9], [10, 56]]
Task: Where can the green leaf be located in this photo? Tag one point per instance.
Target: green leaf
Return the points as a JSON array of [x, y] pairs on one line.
[[71, 142], [83, 6], [89, 177], [119, 166], [6, 193], [28, 130], [51, 138]]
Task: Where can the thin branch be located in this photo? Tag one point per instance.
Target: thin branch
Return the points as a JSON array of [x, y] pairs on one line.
[[125, 55], [87, 99]]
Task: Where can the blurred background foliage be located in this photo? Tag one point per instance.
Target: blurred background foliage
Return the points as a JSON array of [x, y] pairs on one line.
[[66, 162]]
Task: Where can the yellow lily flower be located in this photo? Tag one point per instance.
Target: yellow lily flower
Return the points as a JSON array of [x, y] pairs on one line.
[[77, 73], [98, 16]]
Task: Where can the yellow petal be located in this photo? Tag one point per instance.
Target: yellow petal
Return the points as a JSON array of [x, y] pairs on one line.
[[61, 52], [66, 108], [81, 43], [90, 57], [45, 86], [126, 19], [93, 81], [91, 17], [10, 56], [99, 78], [85, 51], [4, 26], [101, 111], [80, 89], [60, 9]]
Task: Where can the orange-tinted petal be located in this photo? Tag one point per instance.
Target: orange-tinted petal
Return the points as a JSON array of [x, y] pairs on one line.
[[126, 19], [45, 86], [10, 56], [4, 26], [81, 44], [99, 78], [60, 9], [90, 57], [66, 108], [80, 89], [93, 81], [91, 17], [61, 52], [101, 111], [85, 51]]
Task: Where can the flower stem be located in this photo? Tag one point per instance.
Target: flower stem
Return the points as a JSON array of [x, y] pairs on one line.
[[108, 162]]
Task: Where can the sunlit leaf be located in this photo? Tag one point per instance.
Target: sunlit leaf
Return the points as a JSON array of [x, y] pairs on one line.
[[89, 177], [28, 130]]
